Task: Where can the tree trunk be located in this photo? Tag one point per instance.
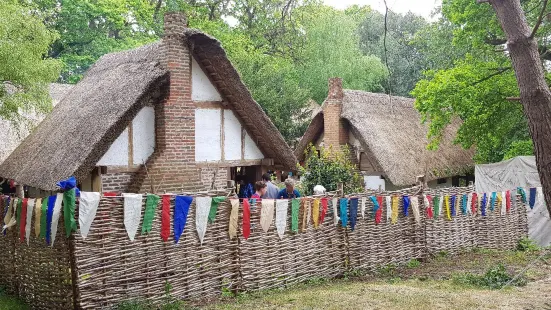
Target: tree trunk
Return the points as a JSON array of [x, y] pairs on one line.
[[534, 92]]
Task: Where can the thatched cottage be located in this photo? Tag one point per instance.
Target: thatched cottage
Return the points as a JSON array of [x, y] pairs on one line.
[[169, 116], [387, 140]]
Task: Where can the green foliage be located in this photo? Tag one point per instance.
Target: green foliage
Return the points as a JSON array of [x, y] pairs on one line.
[[413, 263], [328, 169], [25, 72], [527, 245], [494, 278], [519, 148]]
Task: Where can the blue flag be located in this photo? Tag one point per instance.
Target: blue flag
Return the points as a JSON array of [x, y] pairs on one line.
[[181, 209]]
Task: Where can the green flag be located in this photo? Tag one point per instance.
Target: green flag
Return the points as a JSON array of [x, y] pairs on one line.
[[151, 204], [436, 204], [295, 207], [18, 212], [69, 211], [214, 207], [43, 218]]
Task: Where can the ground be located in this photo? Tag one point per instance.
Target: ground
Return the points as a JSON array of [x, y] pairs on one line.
[[443, 282]]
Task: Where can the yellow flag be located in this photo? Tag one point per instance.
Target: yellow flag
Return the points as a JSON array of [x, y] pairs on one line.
[[316, 212], [448, 211], [394, 218], [37, 216]]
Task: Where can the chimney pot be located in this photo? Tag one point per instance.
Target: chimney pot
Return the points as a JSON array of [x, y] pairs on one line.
[[335, 88]]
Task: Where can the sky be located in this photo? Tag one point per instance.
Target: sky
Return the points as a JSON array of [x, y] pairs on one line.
[[420, 7]]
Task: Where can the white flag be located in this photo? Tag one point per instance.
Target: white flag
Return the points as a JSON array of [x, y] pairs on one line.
[[132, 213], [87, 208], [202, 205], [28, 223], [281, 216], [55, 216]]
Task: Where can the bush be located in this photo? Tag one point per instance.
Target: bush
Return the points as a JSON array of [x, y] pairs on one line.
[[328, 168], [494, 278], [527, 245]]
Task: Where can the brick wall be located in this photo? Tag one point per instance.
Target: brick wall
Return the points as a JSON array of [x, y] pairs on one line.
[[335, 129], [116, 182], [207, 174], [172, 165]]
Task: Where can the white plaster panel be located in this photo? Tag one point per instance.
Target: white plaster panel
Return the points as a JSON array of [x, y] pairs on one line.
[[373, 182], [207, 135], [143, 135], [232, 136], [201, 87], [117, 155], [251, 149]]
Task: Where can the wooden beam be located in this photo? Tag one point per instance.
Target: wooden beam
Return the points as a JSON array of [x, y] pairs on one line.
[[130, 146], [216, 105], [229, 163]]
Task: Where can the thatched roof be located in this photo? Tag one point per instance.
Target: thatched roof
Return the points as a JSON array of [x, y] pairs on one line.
[[81, 128], [392, 131], [13, 134]]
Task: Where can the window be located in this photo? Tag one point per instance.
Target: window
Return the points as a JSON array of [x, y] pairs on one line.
[[441, 181]]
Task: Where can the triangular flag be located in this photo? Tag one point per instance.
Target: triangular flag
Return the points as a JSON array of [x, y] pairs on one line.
[[295, 210], [503, 209], [533, 193], [323, 209], [415, 209], [37, 216], [388, 208], [395, 203], [247, 219], [234, 216], [362, 208], [214, 207], [28, 225], [151, 203], [165, 218], [281, 216], [22, 219], [427, 200], [315, 212], [87, 209], [335, 206], [379, 212], [267, 214], [343, 206], [181, 209], [56, 212], [353, 212], [132, 213], [406, 205], [202, 205], [69, 203]]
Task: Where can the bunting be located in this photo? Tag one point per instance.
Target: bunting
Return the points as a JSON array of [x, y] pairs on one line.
[[22, 219], [9, 218], [406, 204], [503, 204], [37, 215], [295, 208], [87, 209], [214, 207], [532, 197], [436, 205], [181, 210], [388, 208], [493, 201], [464, 200], [469, 203], [448, 209], [132, 213], [415, 209], [315, 212], [234, 216], [323, 209], [69, 202], [483, 205], [246, 219], [165, 218], [353, 212], [363, 204], [376, 205], [508, 201], [267, 214], [56, 212], [334, 204], [28, 224], [395, 203], [202, 205], [379, 212], [427, 200], [46, 218], [474, 201], [522, 193], [453, 202], [151, 203], [344, 214], [281, 216], [305, 207], [18, 210]]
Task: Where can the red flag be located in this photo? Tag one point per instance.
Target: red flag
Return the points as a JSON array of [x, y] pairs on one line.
[[508, 201], [323, 209], [109, 194], [379, 212], [474, 203], [165, 218], [246, 219], [429, 207], [23, 220]]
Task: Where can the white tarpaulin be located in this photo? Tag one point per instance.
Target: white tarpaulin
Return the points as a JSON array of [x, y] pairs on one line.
[[510, 174]]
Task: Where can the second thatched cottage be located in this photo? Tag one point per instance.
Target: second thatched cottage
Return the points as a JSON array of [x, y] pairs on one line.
[[170, 116], [387, 140]]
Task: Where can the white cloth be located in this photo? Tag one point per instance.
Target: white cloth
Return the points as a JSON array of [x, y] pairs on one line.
[[132, 213], [336, 217], [234, 215], [415, 207], [87, 208], [55, 216], [281, 216], [202, 205], [363, 203], [469, 203], [441, 210], [503, 203], [267, 214], [388, 207], [10, 219], [28, 220]]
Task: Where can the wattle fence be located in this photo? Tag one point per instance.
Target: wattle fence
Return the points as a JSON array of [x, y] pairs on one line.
[[107, 268]]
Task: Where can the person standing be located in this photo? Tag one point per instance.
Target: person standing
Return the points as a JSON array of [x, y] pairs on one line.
[[272, 190], [289, 191], [260, 188]]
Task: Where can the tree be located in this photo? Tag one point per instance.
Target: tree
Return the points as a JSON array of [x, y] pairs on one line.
[[535, 95], [25, 72]]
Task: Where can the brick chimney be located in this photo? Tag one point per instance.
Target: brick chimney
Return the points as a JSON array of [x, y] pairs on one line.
[[335, 131]]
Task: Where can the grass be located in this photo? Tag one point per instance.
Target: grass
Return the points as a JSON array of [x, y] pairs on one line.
[[8, 302], [471, 280]]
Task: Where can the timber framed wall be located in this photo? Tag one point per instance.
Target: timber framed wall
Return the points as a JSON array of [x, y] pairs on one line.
[[107, 268]]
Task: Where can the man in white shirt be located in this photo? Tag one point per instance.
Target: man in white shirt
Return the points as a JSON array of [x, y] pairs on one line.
[[272, 191]]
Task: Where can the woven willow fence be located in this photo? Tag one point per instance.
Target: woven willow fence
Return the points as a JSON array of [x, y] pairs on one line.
[[107, 267]]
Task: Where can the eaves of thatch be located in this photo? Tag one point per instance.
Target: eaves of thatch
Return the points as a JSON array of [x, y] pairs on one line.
[[81, 128], [390, 129]]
